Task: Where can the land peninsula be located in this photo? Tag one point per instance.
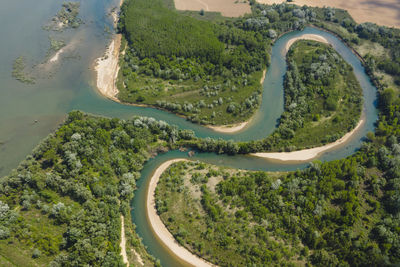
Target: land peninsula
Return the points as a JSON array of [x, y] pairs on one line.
[[109, 80]]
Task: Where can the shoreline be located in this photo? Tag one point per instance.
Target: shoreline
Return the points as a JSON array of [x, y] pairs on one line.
[[158, 227], [312, 37], [107, 69], [310, 153]]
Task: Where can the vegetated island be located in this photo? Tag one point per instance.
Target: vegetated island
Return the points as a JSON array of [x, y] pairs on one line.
[[55, 49], [19, 71], [67, 17], [73, 185]]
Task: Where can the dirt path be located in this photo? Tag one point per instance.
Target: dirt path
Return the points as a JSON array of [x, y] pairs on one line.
[[123, 243]]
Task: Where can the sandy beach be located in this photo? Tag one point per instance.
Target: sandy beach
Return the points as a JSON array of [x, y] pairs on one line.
[[107, 66], [382, 12], [107, 69], [158, 226], [309, 154], [233, 128], [313, 37]]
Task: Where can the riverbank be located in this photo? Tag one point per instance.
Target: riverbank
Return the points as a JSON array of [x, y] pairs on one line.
[[312, 37], [107, 68], [158, 226], [312, 153]]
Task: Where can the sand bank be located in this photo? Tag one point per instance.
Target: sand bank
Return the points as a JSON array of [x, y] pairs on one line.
[[313, 37], [158, 226], [312, 153], [57, 55], [229, 128], [107, 68], [382, 12]]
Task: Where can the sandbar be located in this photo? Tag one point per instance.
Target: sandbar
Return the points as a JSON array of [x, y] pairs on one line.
[[158, 226], [309, 154], [312, 37], [107, 68]]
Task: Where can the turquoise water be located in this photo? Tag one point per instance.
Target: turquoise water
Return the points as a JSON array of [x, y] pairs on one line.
[[71, 86]]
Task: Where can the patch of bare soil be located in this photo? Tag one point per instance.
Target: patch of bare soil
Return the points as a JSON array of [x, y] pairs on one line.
[[381, 12], [228, 8]]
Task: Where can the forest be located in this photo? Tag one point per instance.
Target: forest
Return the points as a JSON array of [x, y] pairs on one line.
[[62, 205], [323, 99], [195, 68], [340, 213], [158, 71]]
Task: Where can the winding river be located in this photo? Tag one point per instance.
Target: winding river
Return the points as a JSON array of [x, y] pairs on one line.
[[29, 113], [263, 123]]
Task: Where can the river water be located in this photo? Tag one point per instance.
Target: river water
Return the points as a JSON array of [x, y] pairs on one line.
[[28, 113]]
